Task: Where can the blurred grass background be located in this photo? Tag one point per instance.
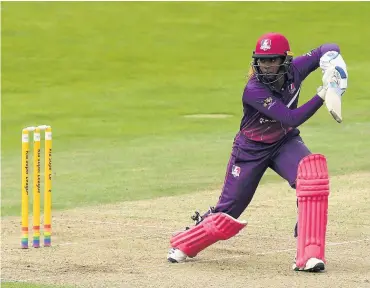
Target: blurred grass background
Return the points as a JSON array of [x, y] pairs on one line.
[[114, 79]]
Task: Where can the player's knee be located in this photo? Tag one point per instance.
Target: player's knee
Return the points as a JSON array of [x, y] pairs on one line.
[[312, 175]]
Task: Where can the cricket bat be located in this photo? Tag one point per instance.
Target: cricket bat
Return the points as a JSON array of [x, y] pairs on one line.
[[333, 100]]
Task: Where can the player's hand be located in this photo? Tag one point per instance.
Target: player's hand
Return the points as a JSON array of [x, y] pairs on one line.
[[333, 78]]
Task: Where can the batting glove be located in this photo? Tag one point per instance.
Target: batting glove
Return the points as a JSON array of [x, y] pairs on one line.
[[333, 59]]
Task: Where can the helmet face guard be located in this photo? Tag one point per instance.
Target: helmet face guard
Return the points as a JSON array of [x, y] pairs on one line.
[[271, 78]]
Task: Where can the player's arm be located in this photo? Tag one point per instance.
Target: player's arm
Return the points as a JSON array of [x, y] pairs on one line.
[[275, 109], [315, 58], [327, 57]]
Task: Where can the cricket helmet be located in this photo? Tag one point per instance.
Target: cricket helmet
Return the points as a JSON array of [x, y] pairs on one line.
[[272, 45]]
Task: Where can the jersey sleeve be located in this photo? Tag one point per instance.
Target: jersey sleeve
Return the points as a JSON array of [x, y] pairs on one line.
[[311, 61], [265, 102]]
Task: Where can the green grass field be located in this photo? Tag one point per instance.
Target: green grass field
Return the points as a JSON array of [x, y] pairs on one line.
[[114, 80]]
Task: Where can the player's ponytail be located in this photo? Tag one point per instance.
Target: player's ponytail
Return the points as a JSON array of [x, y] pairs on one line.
[[250, 73]]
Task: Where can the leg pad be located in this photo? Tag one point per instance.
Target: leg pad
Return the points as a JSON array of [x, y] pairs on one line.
[[215, 227], [312, 193]]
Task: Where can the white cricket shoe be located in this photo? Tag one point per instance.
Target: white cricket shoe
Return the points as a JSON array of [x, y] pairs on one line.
[[312, 265], [176, 256]]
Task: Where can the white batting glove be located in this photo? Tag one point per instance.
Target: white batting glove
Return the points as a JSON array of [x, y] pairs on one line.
[[333, 59], [335, 79]]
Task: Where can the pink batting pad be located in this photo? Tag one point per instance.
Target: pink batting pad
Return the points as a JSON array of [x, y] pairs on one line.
[[215, 227], [312, 192]]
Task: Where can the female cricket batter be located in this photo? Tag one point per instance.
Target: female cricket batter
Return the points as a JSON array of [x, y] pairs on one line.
[[269, 138]]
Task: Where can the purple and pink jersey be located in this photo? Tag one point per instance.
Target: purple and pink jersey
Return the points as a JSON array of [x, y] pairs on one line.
[[269, 115]]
